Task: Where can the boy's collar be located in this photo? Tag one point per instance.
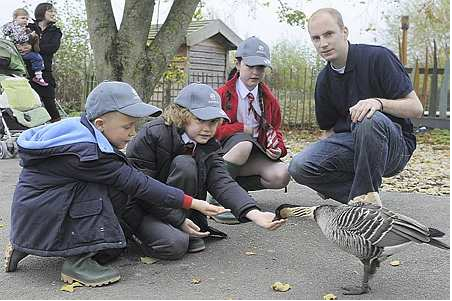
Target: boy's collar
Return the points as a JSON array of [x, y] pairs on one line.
[[187, 139]]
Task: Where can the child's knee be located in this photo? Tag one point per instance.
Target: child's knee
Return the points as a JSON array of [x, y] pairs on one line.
[[186, 164]]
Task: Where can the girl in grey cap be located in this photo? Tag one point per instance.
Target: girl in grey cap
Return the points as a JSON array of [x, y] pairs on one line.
[[252, 140], [180, 150]]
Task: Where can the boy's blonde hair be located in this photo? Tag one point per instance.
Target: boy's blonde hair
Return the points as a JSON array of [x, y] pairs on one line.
[[177, 115], [20, 12]]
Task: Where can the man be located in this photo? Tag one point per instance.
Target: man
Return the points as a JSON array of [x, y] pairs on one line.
[[363, 99]]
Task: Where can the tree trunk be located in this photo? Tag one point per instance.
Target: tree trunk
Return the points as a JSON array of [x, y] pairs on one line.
[[124, 55]]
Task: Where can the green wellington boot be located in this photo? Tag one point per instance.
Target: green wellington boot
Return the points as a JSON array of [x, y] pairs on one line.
[[87, 271], [227, 217]]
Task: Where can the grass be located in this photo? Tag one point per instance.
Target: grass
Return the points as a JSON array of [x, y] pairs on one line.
[[434, 137]]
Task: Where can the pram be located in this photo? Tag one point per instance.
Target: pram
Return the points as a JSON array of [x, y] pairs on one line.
[[20, 106]]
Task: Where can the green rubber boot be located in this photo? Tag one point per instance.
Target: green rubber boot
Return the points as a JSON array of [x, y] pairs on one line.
[[87, 271]]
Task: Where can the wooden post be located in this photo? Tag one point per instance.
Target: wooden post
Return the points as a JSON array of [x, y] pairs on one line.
[[416, 77], [433, 103], [444, 91], [425, 81], [405, 25]]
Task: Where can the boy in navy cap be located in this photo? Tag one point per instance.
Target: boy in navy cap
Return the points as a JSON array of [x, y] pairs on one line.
[[75, 179], [252, 140], [180, 149]]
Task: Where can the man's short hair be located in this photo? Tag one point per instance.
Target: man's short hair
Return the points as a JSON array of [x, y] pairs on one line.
[[332, 12]]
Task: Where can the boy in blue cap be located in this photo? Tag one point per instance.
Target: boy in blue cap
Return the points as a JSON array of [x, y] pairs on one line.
[[180, 150], [75, 187]]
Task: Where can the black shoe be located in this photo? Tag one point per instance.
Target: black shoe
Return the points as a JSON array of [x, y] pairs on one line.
[[196, 244], [12, 258]]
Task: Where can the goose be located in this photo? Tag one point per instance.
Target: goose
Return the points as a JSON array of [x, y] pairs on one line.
[[370, 232]]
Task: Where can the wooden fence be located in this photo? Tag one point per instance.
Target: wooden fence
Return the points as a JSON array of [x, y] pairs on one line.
[[432, 85]]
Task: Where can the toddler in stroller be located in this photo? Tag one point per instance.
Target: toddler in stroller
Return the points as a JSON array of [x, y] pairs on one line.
[[20, 106]]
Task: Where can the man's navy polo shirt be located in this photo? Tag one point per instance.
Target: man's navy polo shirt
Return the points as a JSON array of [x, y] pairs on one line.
[[371, 71]]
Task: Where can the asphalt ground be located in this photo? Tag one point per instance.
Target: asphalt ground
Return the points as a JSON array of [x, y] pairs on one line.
[[297, 254]]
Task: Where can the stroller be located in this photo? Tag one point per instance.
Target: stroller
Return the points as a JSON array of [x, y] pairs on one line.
[[20, 105]]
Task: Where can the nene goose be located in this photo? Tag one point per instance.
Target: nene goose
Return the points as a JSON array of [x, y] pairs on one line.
[[371, 233]]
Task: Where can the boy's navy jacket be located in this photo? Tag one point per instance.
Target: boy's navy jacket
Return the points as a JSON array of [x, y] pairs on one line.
[[62, 205], [155, 147]]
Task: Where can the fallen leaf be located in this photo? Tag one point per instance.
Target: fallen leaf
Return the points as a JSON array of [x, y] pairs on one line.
[[148, 260], [281, 287], [329, 297], [70, 287], [250, 253], [196, 281], [2, 226], [395, 263]]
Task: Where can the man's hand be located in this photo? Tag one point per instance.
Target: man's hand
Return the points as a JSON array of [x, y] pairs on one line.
[[264, 219], [364, 108], [206, 208], [192, 229]]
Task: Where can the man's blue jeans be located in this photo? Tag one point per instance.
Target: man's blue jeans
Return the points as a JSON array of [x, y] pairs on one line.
[[346, 165]]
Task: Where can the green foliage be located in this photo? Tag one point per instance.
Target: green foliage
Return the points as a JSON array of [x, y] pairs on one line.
[[176, 72], [198, 16], [428, 20], [74, 60], [435, 137], [293, 17], [291, 61]]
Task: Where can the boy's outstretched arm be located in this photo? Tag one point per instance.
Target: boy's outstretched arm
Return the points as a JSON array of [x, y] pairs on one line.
[[264, 219]]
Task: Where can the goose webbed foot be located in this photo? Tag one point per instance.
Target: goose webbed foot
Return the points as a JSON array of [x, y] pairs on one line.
[[355, 290]]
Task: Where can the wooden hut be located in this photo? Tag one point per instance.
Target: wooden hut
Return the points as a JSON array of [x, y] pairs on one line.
[[204, 57]]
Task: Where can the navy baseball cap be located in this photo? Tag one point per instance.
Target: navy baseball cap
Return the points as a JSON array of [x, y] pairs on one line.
[[111, 96], [254, 52], [202, 101]]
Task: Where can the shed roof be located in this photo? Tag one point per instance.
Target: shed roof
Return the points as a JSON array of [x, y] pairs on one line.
[[199, 31]]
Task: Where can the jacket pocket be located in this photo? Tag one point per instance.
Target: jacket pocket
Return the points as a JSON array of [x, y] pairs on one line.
[[86, 223], [86, 208]]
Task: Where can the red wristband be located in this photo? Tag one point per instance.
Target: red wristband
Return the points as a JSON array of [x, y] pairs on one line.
[[186, 203]]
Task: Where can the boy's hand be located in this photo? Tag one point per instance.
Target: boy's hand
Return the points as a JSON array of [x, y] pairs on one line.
[[265, 219], [206, 208], [192, 229]]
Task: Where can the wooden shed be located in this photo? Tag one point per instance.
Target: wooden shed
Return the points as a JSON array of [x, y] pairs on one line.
[[206, 57]]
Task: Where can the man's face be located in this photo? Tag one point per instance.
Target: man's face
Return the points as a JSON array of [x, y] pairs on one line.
[[329, 39], [118, 128], [251, 76]]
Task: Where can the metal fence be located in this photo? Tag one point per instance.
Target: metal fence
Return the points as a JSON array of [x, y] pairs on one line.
[[296, 96]]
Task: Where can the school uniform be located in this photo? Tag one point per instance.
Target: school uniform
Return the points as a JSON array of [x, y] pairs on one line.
[[159, 150]]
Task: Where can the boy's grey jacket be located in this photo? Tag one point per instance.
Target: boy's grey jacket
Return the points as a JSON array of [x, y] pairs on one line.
[[61, 206], [153, 150]]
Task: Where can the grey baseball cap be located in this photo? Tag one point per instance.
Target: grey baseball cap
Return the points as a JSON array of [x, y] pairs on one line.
[[202, 101], [111, 96], [254, 52]]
